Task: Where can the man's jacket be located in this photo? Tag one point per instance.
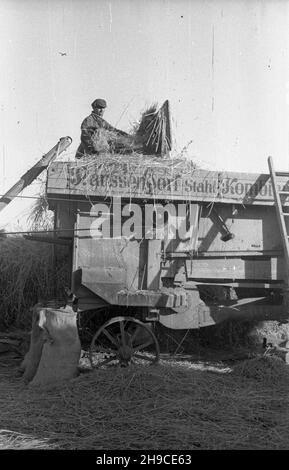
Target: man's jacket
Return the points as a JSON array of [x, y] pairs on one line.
[[89, 128]]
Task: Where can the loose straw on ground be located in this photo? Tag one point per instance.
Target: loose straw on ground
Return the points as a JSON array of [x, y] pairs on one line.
[[162, 407]]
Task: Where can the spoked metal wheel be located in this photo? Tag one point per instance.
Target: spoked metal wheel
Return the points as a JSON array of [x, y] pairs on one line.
[[123, 341]]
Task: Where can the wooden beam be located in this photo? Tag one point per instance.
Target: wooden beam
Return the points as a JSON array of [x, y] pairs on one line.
[[54, 240], [222, 254], [172, 180], [245, 284]]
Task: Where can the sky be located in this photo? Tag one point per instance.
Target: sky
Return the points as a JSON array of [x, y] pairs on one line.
[[222, 64]]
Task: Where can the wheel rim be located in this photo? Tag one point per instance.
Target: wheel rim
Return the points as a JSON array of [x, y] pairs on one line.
[[123, 341]]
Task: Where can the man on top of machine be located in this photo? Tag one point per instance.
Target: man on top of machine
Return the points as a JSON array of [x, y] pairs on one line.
[[90, 128]]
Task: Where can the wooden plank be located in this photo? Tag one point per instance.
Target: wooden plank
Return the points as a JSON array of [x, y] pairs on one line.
[[45, 239], [245, 284], [235, 268], [223, 254], [244, 268], [150, 298], [176, 182]]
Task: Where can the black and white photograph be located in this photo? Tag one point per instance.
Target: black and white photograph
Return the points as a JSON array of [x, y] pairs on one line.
[[144, 228]]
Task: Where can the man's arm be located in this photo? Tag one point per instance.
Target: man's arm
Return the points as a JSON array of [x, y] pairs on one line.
[[109, 127]]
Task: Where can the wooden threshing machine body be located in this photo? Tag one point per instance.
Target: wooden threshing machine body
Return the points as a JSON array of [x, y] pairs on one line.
[[228, 263]]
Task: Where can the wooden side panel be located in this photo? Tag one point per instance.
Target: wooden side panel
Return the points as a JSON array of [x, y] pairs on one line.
[[138, 261], [236, 268], [93, 250], [254, 228], [172, 180]]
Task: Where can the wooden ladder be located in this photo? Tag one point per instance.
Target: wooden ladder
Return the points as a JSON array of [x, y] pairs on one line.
[[281, 214]]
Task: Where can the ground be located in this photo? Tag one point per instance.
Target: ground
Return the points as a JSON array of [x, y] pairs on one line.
[[182, 403]]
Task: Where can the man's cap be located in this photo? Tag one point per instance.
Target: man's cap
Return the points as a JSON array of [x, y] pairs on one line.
[[99, 103]]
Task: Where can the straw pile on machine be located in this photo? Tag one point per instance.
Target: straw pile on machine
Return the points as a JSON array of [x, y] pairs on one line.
[[150, 136], [170, 406], [136, 157]]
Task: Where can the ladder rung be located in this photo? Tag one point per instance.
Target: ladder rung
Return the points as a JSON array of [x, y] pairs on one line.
[[282, 173], [283, 192], [286, 214]]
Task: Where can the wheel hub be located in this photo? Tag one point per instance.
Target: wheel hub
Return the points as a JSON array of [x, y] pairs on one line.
[[125, 338], [125, 353]]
